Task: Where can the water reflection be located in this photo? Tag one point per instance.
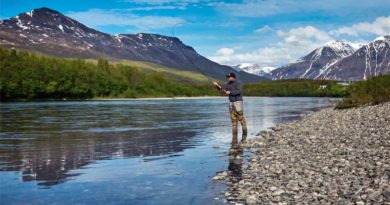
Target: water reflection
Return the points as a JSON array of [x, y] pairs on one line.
[[44, 141], [48, 159], [236, 158]]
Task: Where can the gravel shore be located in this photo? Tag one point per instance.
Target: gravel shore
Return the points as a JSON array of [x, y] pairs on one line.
[[328, 157]]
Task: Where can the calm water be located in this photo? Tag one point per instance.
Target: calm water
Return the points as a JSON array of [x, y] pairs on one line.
[[126, 152]]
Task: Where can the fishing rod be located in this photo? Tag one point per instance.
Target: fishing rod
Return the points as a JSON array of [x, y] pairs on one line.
[[189, 60]]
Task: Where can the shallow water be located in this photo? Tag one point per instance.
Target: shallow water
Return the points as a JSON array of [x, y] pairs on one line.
[[126, 152]]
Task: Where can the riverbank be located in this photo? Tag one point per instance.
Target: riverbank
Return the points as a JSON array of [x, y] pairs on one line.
[[115, 99], [328, 157]]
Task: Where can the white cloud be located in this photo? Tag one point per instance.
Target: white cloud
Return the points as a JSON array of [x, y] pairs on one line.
[[307, 36], [263, 29], [381, 26], [295, 43], [225, 51], [264, 56]]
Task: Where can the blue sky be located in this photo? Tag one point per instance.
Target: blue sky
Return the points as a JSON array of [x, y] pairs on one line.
[[267, 32]]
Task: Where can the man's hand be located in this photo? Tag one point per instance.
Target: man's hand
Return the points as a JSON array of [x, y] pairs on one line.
[[217, 85], [227, 92]]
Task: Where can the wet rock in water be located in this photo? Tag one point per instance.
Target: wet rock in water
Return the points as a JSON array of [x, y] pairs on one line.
[[328, 157], [221, 175]]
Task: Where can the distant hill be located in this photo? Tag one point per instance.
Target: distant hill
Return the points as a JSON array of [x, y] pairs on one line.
[[368, 61], [50, 32], [315, 63], [337, 60]]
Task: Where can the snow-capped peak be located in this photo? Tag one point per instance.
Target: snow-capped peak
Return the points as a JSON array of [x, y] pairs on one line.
[[245, 65], [256, 69], [30, 13], [383, 38], [338, 46], [335, 47]]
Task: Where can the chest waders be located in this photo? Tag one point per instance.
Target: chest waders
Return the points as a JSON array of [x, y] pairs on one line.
[[236, 110]]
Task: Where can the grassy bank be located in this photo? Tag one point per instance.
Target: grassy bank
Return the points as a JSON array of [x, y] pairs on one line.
[[29, 76], [296, 87], [373, 91]]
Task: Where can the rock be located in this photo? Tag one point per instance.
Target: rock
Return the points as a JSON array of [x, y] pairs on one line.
[[250, 200], [375, 195], [216, 146], [277, 192]]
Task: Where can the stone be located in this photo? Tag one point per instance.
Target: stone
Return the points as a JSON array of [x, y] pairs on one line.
[[374, 195], [277, 192], [251, 199]]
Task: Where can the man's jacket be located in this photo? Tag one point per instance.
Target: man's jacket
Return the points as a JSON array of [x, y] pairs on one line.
[[235, 88]]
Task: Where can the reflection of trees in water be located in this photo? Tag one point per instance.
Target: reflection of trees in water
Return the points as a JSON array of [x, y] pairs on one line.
[[49, 159]]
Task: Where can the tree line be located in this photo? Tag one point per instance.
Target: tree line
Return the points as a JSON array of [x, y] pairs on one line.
[[373, 91], [297, 88], [26, 75]]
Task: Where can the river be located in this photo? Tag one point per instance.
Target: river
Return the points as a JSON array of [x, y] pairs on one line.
[[127, 151]]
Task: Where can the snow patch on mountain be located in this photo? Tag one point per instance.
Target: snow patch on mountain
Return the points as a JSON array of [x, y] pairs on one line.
[[341, 48], [30, 13], [20, 24], [61, 28], [382, 38], [264, 71]]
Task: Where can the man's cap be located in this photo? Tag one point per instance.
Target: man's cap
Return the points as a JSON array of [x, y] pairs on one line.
[[231, 75]]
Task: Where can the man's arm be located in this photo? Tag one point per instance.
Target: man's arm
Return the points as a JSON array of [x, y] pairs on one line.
[[220, 88]]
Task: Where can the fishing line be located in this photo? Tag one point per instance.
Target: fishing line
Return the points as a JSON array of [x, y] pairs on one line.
[[188, 59]]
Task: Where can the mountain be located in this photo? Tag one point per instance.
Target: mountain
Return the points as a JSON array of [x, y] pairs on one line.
[[255, 69], [370, 60], [48, 31], [316, 63]]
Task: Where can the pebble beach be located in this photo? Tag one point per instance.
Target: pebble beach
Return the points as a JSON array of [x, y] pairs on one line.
[[329, 157]]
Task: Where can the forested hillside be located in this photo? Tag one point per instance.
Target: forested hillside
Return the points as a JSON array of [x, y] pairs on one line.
[[29, 76]]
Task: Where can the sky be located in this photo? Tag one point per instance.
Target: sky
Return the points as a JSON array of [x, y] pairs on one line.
[[265, 32]]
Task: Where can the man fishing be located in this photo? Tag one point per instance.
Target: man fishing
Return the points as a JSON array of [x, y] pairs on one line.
[[233, 89]]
